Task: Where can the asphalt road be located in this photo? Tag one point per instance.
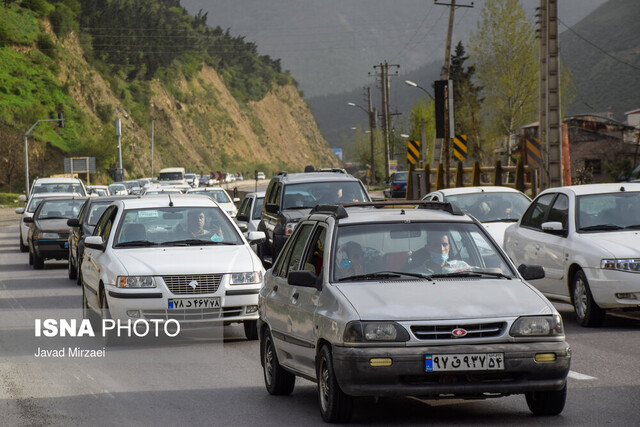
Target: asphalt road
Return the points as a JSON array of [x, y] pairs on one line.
[[212, 376]]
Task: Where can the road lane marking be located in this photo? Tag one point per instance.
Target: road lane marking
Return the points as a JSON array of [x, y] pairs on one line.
[[578, 376]]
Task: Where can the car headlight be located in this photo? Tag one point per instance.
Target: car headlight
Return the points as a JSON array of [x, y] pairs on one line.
[[247, 278], [136, 282], [622, 264], [357, 331], [49, 236], [538, 326]]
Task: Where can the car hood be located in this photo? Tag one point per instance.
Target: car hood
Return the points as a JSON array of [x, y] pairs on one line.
[[53, 225], [295, 214], [496, 229], [186, 260], [619, 244], [444, 299]]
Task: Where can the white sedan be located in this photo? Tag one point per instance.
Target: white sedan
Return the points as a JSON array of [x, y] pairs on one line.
[[221, 196], [495, 207], [160, 259], [587, 238]]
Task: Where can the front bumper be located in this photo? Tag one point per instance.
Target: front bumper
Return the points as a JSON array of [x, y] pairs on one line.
[[605, 284], [407, 376], [58, 248]]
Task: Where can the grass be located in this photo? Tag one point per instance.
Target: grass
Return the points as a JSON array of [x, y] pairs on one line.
[[10, 200]]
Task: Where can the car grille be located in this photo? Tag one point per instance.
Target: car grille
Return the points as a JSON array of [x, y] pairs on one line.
[[193, 315], [444, 332], [179, 285]]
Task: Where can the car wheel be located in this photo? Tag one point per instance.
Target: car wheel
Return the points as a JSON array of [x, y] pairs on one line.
[[587, 311], [71, 268], [30, 255], [38, 261], [251, 329], [277, 381], [335, 405], [546, 403], [109, 336], [23, 247]]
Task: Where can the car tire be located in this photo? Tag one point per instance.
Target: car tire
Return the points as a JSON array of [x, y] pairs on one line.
[[587, 311], [23, 247], [547, 403], [335, 405], [88, 313], [72, 271], [110, 336], [251, 329], [30, 256], [78, 277], [277, 381], [38, 262]]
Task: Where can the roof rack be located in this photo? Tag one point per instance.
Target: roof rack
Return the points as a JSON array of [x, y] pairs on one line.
[[282, 173], [452, 208], [337, 210], [337, 170]]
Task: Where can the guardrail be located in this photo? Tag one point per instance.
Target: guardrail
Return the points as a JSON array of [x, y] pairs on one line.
[[520, 177]]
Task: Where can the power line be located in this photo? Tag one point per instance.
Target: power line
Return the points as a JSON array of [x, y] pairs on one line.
[[598, 47]]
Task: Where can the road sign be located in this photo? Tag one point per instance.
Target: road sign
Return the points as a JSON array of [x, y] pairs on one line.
[[534, 152], [413, 151], [79, 165], [460, 147]]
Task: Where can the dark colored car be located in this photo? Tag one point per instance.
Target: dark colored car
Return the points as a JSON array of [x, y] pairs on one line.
[[396, 185], [48, 232], [290, 196], [83, 226]]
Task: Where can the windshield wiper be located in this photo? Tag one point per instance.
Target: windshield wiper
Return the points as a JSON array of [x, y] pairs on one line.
[[633, 226], [601, 227], [136, 243], [385, 275], [471, 274], [195, 242]]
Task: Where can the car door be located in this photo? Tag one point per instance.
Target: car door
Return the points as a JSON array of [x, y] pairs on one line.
[[554, 256], [94, 259], [304, 301], [279, 310]]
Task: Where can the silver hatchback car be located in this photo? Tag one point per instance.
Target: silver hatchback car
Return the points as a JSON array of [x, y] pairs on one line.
[[405, 302]]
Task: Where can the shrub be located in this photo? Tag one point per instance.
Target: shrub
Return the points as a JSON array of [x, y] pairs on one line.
[[46, 45], [40, 7], [63, 20]]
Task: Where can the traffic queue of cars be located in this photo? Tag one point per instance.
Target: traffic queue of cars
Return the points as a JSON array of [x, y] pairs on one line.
[[449, 300]]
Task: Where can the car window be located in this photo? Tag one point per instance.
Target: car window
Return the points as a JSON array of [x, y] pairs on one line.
[[408, 248], [83, 210], [606, 212], [104, 219], [310, 194], [257, 209], [297, 249], [537, 212], [52, 209], [314, 259], [220, 196], [560, 210], [245, 206], [34, 203], [95, 212], [492, 206]]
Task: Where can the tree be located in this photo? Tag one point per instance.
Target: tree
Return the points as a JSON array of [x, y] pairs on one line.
[[424, 112], [505, 52], [467, 101]]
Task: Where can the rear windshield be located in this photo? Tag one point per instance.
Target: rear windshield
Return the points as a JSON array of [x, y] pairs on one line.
[[59, 188]]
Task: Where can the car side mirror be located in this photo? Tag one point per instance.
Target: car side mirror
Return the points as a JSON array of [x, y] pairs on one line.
[[236, 200], [243, 226], [531, 272], [28, 220], [242, 217], [272, 208], [304, 278], [20, 211], [257, 237], [22, 198], [73, 222], [554, 227], [95, 242]]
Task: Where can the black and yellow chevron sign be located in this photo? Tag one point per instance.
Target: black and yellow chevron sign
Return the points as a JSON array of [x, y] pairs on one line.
[[534, 152], [413, 151], [460, 147]]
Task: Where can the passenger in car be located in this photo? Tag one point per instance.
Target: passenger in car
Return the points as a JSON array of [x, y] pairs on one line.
[[435, 257], [352, 262], [196, 221]]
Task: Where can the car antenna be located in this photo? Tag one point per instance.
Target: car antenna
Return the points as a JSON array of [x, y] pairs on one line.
[[170, 201]]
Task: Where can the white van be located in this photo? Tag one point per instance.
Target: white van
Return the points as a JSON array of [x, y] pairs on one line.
[[172, 176]]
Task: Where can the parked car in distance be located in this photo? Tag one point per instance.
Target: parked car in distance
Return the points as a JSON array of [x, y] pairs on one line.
[[185, 261], [586, 238], [27, 212], [192, 179], [97, 190], [221, 197], [204, 180], [363, 302], [261, 175], [118, 189], [396, 185], [172, 176], [48, 232], [133, 187], [496, 207], [58, 185], [249, 212], [83, 226]]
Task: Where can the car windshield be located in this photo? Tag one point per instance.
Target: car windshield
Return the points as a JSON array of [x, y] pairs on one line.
[[117, 187], [175, 226], [170, 176], [608, 212], [422, 249], [400, 176], [310, 194], [59, 188], [257, 210], [492, 207], [59, 209], [217, 195], [34, 203], [95, 212]]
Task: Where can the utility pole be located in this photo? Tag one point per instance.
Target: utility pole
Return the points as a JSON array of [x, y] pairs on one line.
[[444, 75], [386, 115], [120, 171], [372, 126], [153, 122], [549, 95]]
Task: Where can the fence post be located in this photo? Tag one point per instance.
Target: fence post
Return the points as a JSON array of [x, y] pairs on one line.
[[475, 174], [439, 177], [459, 176], [520, 176], [497, 177], [427, 178], [409, 193]]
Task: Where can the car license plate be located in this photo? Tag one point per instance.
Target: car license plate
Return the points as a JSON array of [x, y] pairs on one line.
[[464, 362], [178, 303], [66, 245]]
